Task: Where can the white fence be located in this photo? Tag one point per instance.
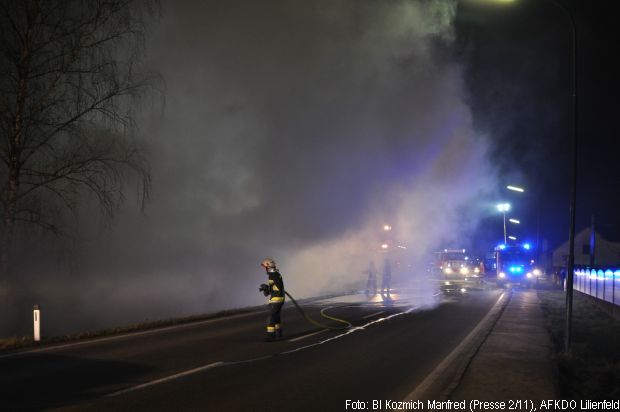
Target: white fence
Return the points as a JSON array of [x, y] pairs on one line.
[[599, 282]]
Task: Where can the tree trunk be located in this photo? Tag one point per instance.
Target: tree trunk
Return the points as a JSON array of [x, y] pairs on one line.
[[9, 223]]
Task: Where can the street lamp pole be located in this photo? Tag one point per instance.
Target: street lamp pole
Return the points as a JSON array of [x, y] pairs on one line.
[[504, 207], [505, 240], [573, 198], [570, 267]]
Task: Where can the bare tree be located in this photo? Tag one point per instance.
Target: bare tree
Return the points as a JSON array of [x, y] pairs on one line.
[[70, 81]]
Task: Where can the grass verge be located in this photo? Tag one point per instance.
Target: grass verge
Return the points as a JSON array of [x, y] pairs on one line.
[[591, 369], [27, 341]]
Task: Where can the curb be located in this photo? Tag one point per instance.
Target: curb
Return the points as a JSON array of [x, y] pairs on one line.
[[443, 380]]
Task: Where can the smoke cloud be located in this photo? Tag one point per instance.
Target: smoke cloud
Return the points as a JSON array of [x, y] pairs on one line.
[[294, 130]]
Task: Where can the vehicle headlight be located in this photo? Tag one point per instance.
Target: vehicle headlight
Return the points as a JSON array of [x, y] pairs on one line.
[[537, 272], [464, 271], [529, 274], [501, 275], [447, 271], [447, 283], [477, 270]]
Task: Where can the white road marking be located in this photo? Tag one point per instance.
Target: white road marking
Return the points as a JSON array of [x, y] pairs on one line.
[[307, 336], [167, 378], [350, 330], [372, 314]]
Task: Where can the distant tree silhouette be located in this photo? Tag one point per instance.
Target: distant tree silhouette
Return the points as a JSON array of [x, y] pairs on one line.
[[70, 83]]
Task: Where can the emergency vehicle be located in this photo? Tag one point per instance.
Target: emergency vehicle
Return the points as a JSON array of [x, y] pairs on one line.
[[516, 265], [455, 264]]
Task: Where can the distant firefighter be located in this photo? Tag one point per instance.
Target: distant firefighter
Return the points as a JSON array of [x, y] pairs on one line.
[[275, 290], [387, 279], [371, 284]]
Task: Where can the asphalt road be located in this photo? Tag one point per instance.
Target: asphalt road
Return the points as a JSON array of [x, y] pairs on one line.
[[224, 365]]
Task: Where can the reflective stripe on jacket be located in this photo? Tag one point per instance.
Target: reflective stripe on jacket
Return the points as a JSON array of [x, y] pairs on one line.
[[276, 286]]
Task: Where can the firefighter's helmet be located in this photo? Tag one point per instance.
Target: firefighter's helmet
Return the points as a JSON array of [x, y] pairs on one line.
[[268, 263]]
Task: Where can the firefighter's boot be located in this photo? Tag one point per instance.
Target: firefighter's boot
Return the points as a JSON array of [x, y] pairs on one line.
[[279, 332], [271, 334]]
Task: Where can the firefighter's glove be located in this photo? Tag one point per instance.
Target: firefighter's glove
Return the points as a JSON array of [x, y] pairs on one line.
[[264, 288]]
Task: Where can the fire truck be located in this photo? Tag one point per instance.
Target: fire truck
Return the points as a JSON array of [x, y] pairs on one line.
[[456, 265], [516, 265]]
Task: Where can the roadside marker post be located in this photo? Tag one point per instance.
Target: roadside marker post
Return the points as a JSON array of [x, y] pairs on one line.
[[36, 313]]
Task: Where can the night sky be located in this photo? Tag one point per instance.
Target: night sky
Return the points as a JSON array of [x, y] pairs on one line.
[[517, 59]]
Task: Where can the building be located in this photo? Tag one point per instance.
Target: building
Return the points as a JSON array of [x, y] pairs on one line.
[[606, 248]]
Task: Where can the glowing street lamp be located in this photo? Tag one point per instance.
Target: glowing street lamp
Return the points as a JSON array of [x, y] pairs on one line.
[[515, 221], [515, 188], [512, 238], [386, 239], [504, 207]]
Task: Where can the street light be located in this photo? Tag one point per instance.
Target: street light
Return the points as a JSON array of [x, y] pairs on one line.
[[515, 188], [512, 238], [515, 221], [504, 207], [570, 266]]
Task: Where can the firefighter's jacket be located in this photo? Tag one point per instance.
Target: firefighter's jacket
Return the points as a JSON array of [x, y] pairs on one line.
[[276, 286]]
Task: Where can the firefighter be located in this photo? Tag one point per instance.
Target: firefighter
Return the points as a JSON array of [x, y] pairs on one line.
[[274, 289], [371, 284], [387, 279]]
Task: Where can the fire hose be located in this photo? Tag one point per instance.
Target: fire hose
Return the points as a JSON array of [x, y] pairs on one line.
[[345, 324]]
